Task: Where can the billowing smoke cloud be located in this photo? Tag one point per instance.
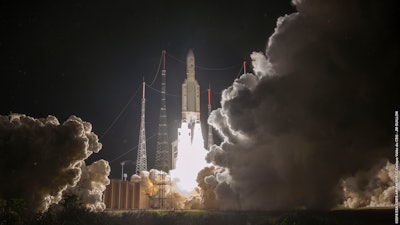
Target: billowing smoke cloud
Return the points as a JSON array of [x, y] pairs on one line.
[[93, 181], [41, 158], [207, 182], [318, 109], [372, 188], [157, 184]]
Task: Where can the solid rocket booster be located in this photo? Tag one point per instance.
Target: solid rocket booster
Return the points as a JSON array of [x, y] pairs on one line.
[[190, 92]]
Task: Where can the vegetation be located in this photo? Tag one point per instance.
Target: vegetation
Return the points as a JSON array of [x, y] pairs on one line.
[[15, 212]]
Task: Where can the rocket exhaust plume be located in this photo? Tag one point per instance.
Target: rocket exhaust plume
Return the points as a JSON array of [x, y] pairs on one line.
[[40, 159], [317, 110], [191, 157]]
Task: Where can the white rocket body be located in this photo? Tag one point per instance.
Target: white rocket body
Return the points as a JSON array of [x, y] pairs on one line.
[[190, 93], [191, 152]]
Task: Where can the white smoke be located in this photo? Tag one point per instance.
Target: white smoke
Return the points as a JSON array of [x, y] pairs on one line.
[[92, 184], [314, 112], [41, 158], [157, 184], [261, 66], [372, 188]]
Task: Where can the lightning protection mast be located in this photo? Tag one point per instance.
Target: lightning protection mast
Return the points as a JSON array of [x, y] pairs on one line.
[[163, 151], [210, 134], [141, 160]]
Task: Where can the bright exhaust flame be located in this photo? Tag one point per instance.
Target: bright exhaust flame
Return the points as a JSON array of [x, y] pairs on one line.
[[191, 157]]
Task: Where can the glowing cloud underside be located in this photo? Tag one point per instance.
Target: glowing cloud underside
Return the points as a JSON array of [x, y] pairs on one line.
[[191, 157]]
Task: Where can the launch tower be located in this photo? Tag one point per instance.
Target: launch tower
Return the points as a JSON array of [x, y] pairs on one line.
[[163, 151]]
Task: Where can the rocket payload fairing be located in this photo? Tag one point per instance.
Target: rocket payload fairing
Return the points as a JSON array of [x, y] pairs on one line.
[[190, 93]]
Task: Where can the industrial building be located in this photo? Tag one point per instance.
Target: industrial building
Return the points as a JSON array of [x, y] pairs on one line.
[[125, 195]]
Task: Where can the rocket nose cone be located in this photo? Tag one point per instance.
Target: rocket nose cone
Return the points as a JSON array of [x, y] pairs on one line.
[[190, 53]]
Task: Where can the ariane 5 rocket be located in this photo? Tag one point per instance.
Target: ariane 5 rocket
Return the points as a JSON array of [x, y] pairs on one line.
[[190, 93]]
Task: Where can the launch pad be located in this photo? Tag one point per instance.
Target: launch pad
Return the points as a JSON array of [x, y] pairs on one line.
[[176, 172]]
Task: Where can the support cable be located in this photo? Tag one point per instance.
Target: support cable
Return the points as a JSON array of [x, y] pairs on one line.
[[120, 113], [154, 89], [133, 148], [158, 71]]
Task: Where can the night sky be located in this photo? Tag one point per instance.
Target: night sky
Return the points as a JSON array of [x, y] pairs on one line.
[[311, 128], [88, 59]]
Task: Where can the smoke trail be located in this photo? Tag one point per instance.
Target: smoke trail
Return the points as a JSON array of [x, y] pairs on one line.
[[318, 109], [40, 158]]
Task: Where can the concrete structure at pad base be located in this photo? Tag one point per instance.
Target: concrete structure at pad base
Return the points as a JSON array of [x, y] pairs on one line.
[[125, 195]]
